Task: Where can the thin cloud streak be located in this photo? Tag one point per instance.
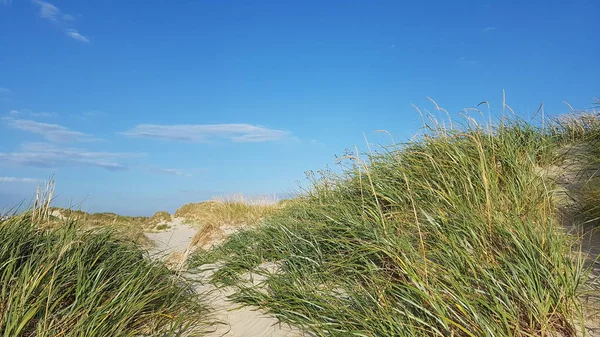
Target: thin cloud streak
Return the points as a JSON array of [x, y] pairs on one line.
[[43, 155], [52, 132], [170, 171], [465, 60], [74, 34], [43, 114], [18, 180], [488, 29], [15, 113], [201, 133]]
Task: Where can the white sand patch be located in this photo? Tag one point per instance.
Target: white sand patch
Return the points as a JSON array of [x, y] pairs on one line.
[[176, 239], [240, 321], [236, 321]]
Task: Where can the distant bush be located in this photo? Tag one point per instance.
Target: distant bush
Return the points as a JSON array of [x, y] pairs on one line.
[[161, 216], [162, 227]]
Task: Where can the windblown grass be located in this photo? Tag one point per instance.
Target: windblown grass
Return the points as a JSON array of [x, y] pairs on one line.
[[71, 281], [453, 234], [221, 216]]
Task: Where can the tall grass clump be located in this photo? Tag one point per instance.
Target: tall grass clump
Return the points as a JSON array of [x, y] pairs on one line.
[[70, 281], [452, 234]]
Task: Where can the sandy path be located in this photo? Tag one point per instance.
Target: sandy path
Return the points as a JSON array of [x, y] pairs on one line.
[[248, 321], [244, 321], [237, 322], [176, 239], [571, 176]]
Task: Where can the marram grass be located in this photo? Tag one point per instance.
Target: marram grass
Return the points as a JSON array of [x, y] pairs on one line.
[[69, 281], [453, 234]]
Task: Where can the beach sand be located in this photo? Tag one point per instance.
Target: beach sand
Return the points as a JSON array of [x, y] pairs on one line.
[[246, 321]]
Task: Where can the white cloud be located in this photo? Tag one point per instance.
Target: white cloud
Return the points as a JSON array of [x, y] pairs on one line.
[[174, 172], [5, 94], [43, 114], [48, 10], [241, 133], [466, 60], [26, 112], [43, 155], [18, 180], [6, 2], [488, 29], [74, 34], [53, 14], [52, 132], [87, 115]]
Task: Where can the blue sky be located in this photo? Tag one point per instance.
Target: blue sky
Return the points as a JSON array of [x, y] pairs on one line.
[[141, 106]]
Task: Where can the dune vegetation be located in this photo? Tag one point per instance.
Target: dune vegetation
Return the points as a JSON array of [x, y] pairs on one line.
[[456, 233], [130, 227], [71, 280], [222, 216]]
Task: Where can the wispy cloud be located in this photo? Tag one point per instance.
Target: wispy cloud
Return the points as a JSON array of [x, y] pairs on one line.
[[488, 29], [466, 60], [170, 171], [5, 2], [53, 14], [48, 10], [25, 112], [52, 132], [44, 155], [241, 133], [74, 34], [18, 180], [5, 94], [43, 114], [87, 115]]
